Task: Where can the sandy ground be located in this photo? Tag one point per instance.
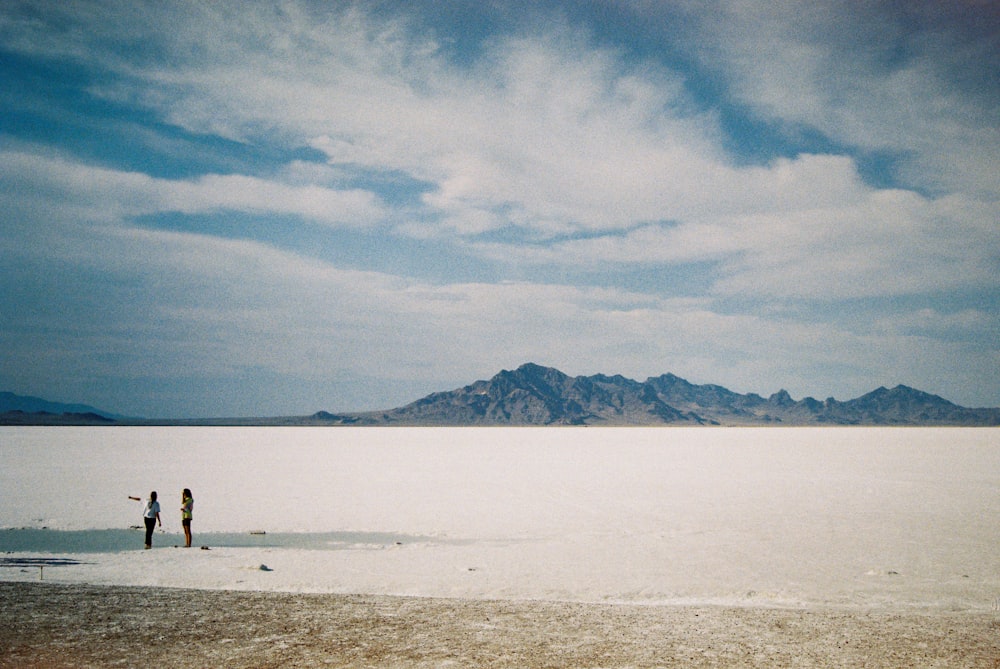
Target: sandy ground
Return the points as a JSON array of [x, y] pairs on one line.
[[51, 625]]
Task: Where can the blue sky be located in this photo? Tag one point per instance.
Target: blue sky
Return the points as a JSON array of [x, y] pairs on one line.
[[229, 208]]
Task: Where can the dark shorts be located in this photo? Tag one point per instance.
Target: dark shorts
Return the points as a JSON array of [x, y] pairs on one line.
[[186, 522]]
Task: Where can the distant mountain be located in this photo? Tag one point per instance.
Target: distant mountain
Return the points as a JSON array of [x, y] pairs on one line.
[[536, 395], [25, 410]]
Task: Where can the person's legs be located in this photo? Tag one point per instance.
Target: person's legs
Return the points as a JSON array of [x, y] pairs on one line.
[[187, 532], [150, 524]]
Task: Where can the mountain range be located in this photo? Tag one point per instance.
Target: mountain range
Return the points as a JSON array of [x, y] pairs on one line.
[[537, 395]]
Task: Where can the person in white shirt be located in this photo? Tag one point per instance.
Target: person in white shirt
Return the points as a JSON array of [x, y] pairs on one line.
[[150, 516]]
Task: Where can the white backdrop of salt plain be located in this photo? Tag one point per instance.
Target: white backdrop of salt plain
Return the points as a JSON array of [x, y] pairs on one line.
[[828, 515]]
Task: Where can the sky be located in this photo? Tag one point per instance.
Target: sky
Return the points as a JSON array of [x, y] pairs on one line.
[[262, 209]]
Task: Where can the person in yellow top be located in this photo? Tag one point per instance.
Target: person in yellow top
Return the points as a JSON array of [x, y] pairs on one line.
[[187, 506]]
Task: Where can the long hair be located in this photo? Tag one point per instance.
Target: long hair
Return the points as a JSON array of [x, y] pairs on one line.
[[187, 493]]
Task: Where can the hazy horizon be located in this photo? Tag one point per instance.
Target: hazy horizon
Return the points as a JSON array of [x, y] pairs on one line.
[[83, 406]]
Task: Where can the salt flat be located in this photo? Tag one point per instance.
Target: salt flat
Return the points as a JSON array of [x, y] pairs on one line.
[[788, 517]]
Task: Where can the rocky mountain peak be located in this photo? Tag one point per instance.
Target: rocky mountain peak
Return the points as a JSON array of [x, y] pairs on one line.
[[536, 395]]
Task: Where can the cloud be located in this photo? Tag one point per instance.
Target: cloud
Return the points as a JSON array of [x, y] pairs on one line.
[[551, 135], [912, 80], [891, 243], [545, 132], [221, 308], [543, 155], [545, 125], [961, 325], [224, 307], [869, 243], [228, 309], [92, 194]]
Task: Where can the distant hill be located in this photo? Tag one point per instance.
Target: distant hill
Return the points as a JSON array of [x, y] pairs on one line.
[[536, 395], [25, 410]]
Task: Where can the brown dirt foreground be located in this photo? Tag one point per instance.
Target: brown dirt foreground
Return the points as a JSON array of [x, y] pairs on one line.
[[50, 625]]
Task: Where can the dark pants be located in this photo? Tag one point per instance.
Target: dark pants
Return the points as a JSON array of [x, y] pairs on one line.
[[150, 524]]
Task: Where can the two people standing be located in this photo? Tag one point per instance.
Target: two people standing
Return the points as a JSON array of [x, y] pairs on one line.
[[151, 515]]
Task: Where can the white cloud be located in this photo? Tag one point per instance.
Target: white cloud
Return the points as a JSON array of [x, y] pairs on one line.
[[891, 243], [869, 75], [873, 243], [213, 307], [548, 134], [964, 325], [92, 194], [592, 157], [550, 126], [256, 195]]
